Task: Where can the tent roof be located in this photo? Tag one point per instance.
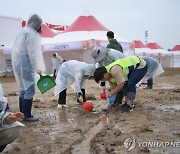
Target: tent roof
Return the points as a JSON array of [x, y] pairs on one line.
[[86, 23], [176, 48], [47, 32], [153, 45], [139, 44]]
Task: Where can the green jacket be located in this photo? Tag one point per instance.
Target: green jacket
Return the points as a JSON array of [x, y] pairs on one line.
[[114, 44]]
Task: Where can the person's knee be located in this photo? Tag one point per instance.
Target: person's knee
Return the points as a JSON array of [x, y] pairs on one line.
[[9, 135]]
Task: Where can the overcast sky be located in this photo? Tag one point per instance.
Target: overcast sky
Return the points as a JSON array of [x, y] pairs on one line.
[[127, 18]]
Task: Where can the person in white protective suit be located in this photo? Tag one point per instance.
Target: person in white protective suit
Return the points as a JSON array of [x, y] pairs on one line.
[[9, 123], [72, 73], [154, 70], [27, 59], [57, 61]]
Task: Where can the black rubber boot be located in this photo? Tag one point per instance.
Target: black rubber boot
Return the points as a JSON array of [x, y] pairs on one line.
[[20, 104], [26, 109], [150, 83]]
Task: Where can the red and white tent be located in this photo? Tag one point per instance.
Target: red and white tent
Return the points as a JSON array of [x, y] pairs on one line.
[[47, 32], [176, 48], [176, 52], [153, 45], [143, 50], [165, 57], [154, 50], [78, 40]]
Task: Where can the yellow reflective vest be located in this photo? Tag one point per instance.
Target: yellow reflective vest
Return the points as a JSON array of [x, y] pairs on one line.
[[125, 63]]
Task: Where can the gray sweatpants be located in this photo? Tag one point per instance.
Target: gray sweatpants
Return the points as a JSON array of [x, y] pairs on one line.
[[7, 136]]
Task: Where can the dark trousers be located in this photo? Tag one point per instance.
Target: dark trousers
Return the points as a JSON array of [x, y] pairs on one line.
[[62, 96], [2, 147], [54, 74], [119, 97]]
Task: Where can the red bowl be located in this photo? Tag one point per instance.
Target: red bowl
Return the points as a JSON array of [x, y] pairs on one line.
[[88, 106]]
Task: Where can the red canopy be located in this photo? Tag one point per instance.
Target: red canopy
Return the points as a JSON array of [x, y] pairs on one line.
[[46, 31], [139, 44], [86, 23], [176, 48], [154, 46]]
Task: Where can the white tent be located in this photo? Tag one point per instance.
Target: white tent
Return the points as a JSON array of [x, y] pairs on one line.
[[153, 50], [78, 40], [176, 52], [165, 57]]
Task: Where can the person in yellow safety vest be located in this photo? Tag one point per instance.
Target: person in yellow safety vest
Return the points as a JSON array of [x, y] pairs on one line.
[[123, 74]]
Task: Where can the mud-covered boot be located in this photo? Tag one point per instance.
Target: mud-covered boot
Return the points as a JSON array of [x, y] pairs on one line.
[[26, 108]]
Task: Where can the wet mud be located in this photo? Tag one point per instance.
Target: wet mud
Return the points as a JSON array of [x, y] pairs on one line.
[[72, 130]]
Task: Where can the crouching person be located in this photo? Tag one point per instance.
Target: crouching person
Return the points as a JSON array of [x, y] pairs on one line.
[[154, 70], [123, 74], [9, 125], [72, 73]]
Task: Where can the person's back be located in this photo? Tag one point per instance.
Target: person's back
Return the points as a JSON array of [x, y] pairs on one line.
[[105, 56], [112, 55], [154, 69], [113, 43]]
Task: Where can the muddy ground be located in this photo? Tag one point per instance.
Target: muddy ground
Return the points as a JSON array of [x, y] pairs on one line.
[[155, 120]]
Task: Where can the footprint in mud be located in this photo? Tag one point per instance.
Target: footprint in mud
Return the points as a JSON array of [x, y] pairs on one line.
[[11, 94]]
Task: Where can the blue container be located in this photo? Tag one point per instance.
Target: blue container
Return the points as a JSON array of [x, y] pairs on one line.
[[111, 99]]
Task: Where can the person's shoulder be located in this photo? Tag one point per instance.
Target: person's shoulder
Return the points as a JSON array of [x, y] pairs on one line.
[[30, 31]]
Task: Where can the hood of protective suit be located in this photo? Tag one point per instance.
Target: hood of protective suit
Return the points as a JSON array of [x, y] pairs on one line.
[[35, 22], [89, 69], [2, 98]]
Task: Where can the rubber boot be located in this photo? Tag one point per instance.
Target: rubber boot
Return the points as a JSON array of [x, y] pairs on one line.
[[20, 104], [149, 84], [84, 95], [26, 108]]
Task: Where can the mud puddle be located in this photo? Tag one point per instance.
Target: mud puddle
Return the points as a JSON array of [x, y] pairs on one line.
[[84, 146], [169, 107], [166, 86]]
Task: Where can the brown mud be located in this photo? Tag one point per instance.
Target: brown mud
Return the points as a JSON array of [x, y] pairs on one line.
[[72, 130]]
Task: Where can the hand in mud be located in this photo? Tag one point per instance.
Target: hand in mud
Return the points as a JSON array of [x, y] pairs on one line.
[[80, 99], [14, 117]]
